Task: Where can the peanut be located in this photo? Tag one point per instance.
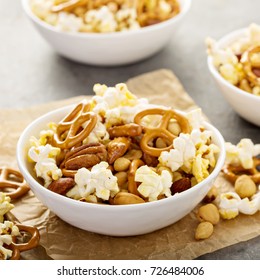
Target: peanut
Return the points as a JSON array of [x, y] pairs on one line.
[[174, 127], [208, 213], [133, 154], [245, 186], [160, 143], [204, 230], [122, 198], [121, 178], [121, 164]]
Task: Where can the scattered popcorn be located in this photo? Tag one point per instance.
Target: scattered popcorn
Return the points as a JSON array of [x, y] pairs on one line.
[[7, 231], [45, 158], [242, 153], [99, 181], [5, 205], [152, 184], [229, 205]]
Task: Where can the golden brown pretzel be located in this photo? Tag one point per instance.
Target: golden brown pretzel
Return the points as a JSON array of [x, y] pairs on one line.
[[70, 131], [160, 131], [249, 65], [13, 179], [132, 186], [130, 129], [32, 243], [232, 172]]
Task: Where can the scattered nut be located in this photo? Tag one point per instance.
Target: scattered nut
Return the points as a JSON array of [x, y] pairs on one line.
[[211, 195], [245, 186], [121, 164], [208, 213], [204, 230]]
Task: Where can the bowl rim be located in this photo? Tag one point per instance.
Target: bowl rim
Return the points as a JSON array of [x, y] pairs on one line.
[[161, 25], [226, 40], [20, 159]]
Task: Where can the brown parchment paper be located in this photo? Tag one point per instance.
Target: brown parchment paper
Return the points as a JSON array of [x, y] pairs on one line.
[[60, 240]]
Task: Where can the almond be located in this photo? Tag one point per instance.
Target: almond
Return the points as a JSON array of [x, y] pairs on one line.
[[62, 185], [180, 185]]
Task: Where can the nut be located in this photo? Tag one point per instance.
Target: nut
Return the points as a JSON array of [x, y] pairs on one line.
[[62, 185], [174, 127], [160, 143], [134, 154], [121, 164], [131, 129], [208, 213], [204, 230], [121, 178], [245, 186], [117, 148], [122, 198], [181, 185], [150, 160], [211, 195], [84, 156]]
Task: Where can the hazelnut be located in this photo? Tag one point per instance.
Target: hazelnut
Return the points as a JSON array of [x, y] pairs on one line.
[[211, 195], [245, 186], [208, 213], [204, 230]]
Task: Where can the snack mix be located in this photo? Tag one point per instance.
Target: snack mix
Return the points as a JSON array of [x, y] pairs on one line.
[[119, 149], [239, 63], [242, 170], [103, 16]]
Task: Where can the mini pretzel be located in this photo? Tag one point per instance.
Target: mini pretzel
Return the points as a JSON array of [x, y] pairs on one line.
[[13, 179], [32, 243], [131, 130], [132, 186], [232, 172], [249, 66], [71, 127], [160, 131]]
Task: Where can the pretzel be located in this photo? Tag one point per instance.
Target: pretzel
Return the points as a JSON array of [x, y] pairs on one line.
[[68, 6], [71, 126], [132, 186], [249, 66], [232, 172], [125, 130], [20, 247], [160, 131], [13, 179]]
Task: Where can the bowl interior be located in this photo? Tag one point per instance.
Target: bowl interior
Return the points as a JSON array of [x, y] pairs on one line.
[[41, 123]]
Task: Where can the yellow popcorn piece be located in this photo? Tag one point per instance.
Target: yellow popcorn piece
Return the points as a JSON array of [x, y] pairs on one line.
[[200, 168], [229, 205], [228, 214], [5, 205]]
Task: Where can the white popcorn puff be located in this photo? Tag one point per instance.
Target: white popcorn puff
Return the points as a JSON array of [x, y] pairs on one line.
[[242, 153], [195, 118], [7, 230], [229, 205], [152, 184], [45, 167], [99, 181], [98, 135], [69, 22], [5, 205], [41, 8]]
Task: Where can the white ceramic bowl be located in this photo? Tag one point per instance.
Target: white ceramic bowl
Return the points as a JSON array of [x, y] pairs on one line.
[[245, 104], [109, 49], [115, 220]]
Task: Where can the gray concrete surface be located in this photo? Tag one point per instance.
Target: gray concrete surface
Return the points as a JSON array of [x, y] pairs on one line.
[[31, 73]]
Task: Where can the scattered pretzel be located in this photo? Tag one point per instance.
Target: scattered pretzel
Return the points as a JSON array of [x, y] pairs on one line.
[[32, 243], [70, 131], [251, 68], [160, 131], [126, 130], [132, 186], [232, 172], [13, 179]]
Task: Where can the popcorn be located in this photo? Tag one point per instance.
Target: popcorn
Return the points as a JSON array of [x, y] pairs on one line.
[[68, 22], [152, 184], [99, 181], [45, 158], [7, 231], [5, 205], [98, 135], [229, 205], [242, 153]]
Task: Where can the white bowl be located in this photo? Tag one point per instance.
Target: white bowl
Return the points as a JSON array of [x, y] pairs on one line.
[[109, 49], [115, 220], [245, 104]]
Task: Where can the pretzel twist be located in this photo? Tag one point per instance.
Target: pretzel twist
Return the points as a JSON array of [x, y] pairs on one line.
[[160, 131], [71, 127], [13, 179], [249, 65], [232, 172]]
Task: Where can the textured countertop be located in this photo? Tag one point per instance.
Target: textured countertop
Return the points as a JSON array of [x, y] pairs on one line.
[[32, 73]]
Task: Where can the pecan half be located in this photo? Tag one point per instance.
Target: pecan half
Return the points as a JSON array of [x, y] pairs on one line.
[[117, 148], [62, 185], [84, 156], [180, 185]]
